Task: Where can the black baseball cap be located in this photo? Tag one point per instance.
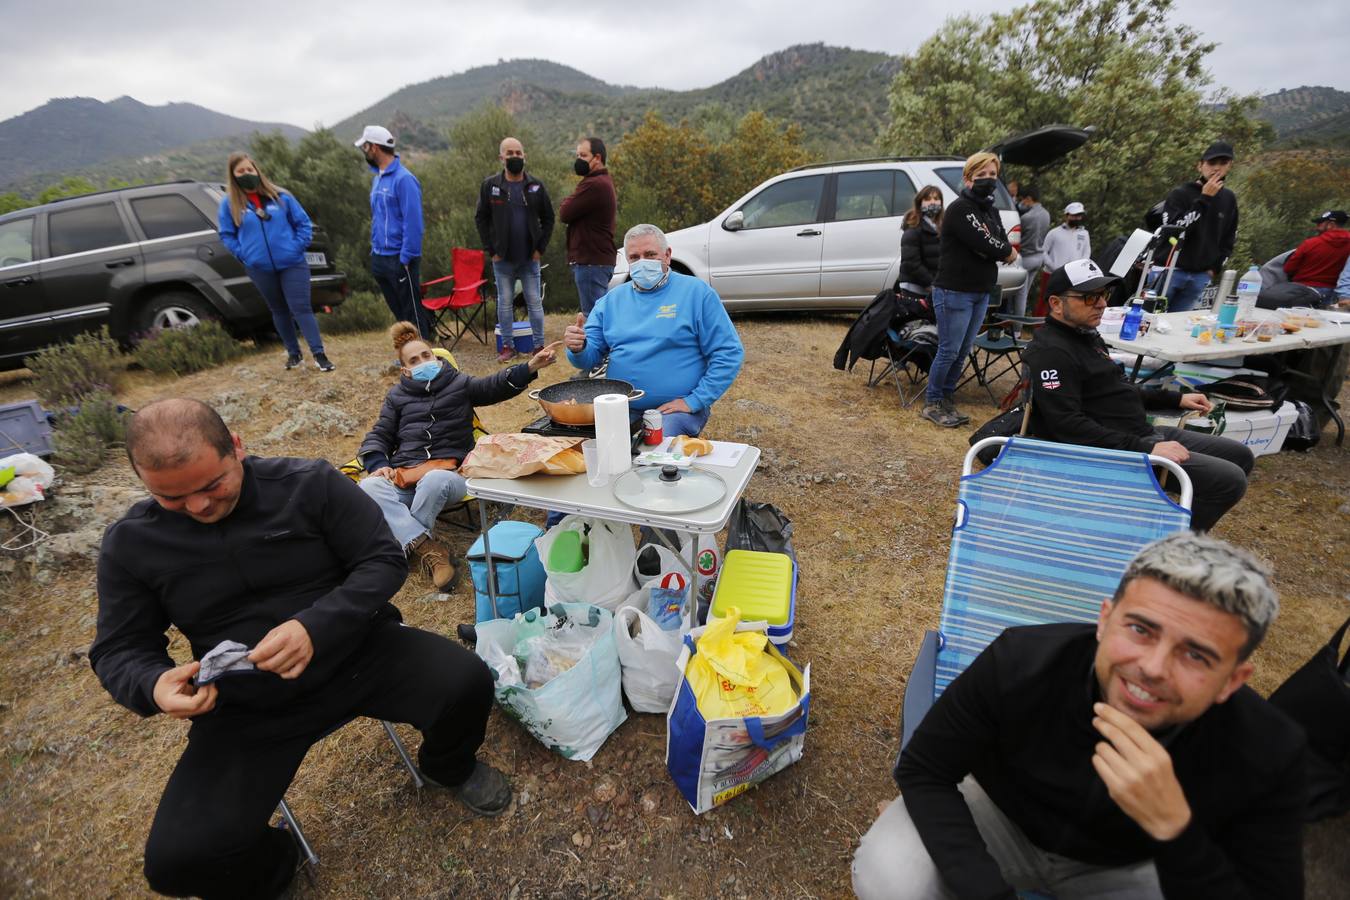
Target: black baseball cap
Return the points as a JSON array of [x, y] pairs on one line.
[[1338, 216], [1217, 150], [1081, 275]]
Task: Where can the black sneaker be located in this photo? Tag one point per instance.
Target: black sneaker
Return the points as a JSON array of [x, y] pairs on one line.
[[938, 416], [322, 362], [294, 360], [949, 407], [485, 792]]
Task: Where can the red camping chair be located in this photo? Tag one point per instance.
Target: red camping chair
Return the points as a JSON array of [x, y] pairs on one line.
[[454, 313]]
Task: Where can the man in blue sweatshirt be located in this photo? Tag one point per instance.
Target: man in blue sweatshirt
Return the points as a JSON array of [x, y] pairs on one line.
[[664, 332], [395, 229]]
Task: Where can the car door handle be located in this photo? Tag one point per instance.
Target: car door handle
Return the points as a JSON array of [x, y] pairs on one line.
[[19, 282], [808, 232], [119, 263]]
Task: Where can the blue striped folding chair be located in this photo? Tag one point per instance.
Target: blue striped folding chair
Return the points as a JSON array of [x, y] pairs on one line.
[[1042, 535]]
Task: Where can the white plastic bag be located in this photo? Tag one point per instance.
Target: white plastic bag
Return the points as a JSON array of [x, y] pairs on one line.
[[607, 578], [30, 476], [650, 675], [575, 711], [708, 560]]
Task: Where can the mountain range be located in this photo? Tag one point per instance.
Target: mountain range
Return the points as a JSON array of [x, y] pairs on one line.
[[837, 94]]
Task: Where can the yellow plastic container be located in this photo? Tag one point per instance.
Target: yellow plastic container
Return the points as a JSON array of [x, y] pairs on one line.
[[764, 587]]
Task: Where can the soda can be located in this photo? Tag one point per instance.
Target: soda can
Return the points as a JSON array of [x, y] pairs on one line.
[[651, 427]]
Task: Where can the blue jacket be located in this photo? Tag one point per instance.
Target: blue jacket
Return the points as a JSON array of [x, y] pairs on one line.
[[275, 244], [396, 213], [674, 342]]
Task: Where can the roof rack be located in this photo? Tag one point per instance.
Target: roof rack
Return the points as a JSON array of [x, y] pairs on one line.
[[877, 159], [129, 187]]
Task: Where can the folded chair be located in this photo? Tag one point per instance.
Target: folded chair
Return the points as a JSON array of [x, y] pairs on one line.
[[1042, 535], [454, 314], [908, 354], [997, 350]]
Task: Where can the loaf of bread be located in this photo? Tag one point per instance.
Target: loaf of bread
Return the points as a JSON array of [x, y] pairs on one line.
[[691, 446], [569, 461]]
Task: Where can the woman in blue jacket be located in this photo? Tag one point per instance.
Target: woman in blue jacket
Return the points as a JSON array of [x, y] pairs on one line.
[[268, 231]]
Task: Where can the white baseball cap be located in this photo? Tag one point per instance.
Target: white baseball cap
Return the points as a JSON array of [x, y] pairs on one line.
[[376, 134], [1073, 209]]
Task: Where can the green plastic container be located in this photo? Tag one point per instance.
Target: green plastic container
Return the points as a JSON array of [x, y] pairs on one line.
[[566, 554]]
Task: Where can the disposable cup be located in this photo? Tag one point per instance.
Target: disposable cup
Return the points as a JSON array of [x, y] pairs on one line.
[[596, 475]]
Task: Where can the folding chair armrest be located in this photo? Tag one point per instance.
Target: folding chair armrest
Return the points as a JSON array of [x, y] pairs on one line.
[[919, 689], [470, 285], [1021, 320]]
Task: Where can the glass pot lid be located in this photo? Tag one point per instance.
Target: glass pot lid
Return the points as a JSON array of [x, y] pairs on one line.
[[669, 490]]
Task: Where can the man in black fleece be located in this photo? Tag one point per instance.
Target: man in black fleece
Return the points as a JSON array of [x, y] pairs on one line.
[[1079, 395], [1123, 759], [1208, 212], [290, 558]]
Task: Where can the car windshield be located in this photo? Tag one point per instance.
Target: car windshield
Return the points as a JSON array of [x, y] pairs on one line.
[[952, 176]]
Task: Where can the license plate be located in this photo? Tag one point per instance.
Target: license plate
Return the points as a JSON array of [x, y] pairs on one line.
[[317, 260]]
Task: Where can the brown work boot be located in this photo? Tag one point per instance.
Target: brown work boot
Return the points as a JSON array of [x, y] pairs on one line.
[[434, 558]]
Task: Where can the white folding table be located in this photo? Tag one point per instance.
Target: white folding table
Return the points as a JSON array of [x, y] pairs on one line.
[[574, 494]]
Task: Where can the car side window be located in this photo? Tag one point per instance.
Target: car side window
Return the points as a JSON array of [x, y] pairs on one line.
[[16, 242], [86, 228], [795, 201], [169, 215], [864, 195], [904, 194]]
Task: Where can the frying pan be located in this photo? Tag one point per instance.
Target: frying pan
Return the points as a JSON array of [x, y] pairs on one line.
[[572, 402]]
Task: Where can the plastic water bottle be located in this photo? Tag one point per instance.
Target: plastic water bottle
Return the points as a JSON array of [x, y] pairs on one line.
[[1248, 289], [1129, 328]]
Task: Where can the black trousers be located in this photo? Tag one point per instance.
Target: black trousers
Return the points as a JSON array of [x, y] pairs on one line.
[[1218, 469], [211, 836], [402, 289]]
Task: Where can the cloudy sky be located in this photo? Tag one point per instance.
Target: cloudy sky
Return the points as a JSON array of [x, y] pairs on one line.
[[307, 62]]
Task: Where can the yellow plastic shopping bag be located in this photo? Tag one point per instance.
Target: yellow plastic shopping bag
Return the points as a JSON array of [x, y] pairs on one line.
[[733, 677]]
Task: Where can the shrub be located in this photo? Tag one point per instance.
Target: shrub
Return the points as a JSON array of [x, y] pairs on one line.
[[83, 437], [64, 373], [362, 311], [182, 351]]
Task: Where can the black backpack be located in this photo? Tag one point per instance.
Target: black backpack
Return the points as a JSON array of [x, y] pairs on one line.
[[1244, 393], [1317, 697]]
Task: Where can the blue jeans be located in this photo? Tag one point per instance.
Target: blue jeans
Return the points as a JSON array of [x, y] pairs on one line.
[[287, 294], [1184, 291], [402, 289], [506, 274], [592, 283], [411, 512], [959, 317]]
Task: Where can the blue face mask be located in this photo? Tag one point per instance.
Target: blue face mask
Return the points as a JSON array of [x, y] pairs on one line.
[[646, 273], [426, 371]]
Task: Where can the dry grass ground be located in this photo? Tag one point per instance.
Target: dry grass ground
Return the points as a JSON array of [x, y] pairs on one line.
[[870, 488]]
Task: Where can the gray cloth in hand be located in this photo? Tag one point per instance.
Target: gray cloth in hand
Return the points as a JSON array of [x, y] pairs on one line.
[[227, 657]]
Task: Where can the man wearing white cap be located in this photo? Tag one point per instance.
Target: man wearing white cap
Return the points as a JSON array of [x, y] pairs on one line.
[[1069, 241], [395, 229]]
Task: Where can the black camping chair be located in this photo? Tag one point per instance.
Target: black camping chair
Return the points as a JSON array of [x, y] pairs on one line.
[[908, 354]]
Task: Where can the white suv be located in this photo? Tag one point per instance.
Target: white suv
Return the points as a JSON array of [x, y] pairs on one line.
[[823, 236]]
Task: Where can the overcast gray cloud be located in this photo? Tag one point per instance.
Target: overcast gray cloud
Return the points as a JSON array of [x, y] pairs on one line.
[[306, 62]]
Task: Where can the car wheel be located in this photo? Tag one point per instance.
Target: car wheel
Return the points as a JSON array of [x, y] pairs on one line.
[[173, 309]]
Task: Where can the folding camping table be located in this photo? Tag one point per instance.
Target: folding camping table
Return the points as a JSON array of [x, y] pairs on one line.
[[574, 494], [1179, 346]]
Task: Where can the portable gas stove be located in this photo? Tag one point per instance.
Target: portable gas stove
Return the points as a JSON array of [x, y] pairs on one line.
[[548, 428]]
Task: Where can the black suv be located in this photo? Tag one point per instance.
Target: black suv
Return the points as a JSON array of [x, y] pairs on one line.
[[133, 259]]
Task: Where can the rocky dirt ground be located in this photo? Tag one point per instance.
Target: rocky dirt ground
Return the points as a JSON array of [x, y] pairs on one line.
[[870, 488]]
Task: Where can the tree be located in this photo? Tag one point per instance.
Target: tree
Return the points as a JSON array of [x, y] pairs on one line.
[[1118, 65], [72, 186], [1281, 195]]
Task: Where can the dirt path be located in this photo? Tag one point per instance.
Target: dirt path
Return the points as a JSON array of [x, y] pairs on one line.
[[870, 489]]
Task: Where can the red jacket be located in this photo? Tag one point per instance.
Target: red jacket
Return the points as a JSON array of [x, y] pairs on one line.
[[589, 213], [1318, 261]]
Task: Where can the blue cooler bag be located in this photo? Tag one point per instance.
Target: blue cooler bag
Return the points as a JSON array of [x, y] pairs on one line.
[[520, 574]]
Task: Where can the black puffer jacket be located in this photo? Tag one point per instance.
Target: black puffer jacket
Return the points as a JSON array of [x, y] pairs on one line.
[[920, 250], [434, 420]]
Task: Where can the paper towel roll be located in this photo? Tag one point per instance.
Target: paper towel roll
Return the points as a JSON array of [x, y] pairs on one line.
[[612, 437]]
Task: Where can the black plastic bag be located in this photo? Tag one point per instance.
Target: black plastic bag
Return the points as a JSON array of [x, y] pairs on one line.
[[1317, 697], [1303, 433], [760, 526]]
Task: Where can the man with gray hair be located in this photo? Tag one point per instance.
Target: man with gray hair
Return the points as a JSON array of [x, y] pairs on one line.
[[1121, 759], [664, 332]]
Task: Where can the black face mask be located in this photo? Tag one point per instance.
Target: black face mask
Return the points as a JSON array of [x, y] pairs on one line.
[[249, 183], [983, 187], [515, 164], [1075, 223], [581, 167], [372, 161]]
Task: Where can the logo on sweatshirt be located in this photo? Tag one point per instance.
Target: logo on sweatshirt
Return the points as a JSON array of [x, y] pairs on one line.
[[666, 312]]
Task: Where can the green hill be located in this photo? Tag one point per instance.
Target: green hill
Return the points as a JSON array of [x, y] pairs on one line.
[[1308, 116]]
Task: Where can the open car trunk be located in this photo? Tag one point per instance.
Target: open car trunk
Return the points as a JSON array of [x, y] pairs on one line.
[[1039, 148]]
